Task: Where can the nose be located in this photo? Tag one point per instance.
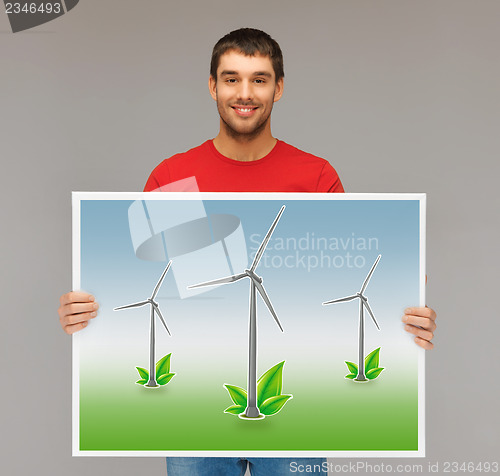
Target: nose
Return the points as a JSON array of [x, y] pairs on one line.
[[245, 91]]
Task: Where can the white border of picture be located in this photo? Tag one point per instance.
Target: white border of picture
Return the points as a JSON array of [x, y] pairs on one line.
[[77, 197]]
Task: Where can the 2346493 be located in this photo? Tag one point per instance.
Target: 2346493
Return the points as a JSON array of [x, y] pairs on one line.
[[47, 7]]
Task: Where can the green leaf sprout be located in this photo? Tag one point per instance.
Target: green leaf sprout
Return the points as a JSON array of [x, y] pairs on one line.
[[269, 398], [163, 374], [372, 369]]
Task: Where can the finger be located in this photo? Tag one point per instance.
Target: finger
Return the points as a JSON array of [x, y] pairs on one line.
[[422, 312], [423, 333], [76, 296], [425, 344], [68, 314], [78, 308], [75, 327], [78, 318], [424, 322]]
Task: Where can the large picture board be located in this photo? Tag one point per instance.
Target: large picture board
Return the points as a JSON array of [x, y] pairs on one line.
[[172, 375]]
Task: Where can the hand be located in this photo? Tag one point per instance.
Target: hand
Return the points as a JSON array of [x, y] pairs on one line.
[[75, 311], [420, 321]]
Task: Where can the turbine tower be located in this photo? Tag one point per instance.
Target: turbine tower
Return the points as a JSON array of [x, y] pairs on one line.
[[363, 303], [252, 410], [152, 383]]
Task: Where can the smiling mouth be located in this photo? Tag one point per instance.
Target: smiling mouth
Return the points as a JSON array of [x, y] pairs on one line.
[[244, 110]]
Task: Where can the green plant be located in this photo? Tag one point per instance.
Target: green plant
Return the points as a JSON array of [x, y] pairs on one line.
[[372, 369], [269, 397], [163, 374]]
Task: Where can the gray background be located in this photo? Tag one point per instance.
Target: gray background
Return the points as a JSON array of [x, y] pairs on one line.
[[400, 96]]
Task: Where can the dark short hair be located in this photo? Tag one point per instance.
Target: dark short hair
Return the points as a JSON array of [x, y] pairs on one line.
[[250, 42]]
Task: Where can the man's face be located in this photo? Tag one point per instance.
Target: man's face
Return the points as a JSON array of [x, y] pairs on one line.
[[245, 91]]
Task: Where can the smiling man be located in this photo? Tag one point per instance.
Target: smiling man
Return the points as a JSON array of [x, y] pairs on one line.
[[245, 92], [246, 79]]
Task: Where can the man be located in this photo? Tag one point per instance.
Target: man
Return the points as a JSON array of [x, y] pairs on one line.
[[246, 79]]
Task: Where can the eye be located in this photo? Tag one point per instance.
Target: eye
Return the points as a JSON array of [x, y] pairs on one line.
[[260, 81], [231, 80]]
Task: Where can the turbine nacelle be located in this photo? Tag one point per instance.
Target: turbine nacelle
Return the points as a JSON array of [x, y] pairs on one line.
[[253, 276]]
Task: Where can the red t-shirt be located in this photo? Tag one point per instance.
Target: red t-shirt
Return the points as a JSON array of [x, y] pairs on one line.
[[284, 169]]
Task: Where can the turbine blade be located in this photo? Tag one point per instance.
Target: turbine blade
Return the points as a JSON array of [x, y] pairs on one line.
[[344, 299], [158, 284], [229, 279], [266, 299], [157, 309], [264, 243], [135, 304], [371, 313], [367, 279]]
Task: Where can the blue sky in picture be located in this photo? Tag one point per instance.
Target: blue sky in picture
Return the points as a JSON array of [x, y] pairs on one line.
[[320, 250]]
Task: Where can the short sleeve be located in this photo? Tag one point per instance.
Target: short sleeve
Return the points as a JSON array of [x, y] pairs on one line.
[[329, 181], [159, 176]]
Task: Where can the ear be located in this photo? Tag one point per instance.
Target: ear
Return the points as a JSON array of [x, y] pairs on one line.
[[278, 90], [212, 87]]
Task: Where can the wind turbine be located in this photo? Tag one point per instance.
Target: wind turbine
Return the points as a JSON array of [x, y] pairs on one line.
[[252, 410], [152, 383], [363, 303]]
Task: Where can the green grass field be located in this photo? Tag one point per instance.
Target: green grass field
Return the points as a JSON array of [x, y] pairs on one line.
[[337, 414]]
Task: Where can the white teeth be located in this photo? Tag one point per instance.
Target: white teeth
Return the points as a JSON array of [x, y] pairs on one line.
[[243, 110]]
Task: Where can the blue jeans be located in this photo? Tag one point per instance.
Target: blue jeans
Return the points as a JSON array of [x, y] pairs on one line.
[[237, 466]]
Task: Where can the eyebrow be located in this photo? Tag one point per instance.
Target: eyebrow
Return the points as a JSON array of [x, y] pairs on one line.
[[256, 73]]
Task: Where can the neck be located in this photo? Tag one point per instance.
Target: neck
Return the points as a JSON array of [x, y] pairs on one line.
[[244, 147]]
